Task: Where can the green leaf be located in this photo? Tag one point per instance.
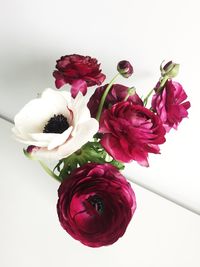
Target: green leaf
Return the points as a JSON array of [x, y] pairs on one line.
[[90, 152]]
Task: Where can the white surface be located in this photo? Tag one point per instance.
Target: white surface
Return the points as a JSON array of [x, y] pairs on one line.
[[160, 233]]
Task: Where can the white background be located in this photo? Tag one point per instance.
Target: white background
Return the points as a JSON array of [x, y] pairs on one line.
[[33, 34]]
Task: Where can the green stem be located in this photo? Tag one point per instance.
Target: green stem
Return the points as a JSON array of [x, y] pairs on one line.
[[47, 170], [162, 83], [147, 97], [104, 96], [130, 91]]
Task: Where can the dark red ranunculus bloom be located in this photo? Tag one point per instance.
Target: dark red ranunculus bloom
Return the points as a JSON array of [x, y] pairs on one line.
[[169, 105], [116, 94], [96, 204], [130, 132], [79, 71]]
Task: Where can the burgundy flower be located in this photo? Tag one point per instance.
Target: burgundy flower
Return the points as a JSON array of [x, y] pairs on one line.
[[125, 68], [79, 71], [169, 105], [96, 204], [116, 94], [130, 132]]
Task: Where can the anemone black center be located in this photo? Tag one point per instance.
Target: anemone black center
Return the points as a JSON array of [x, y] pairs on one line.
[[97, 203], [56, 124]]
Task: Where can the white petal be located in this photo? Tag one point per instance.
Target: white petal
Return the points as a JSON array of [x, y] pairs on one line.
[[19, 134], [44, 154], [85, 133], [66, 95], [34, 115], [59, 139], [27, 139], [31, 142], [44, 138], [80, 111]]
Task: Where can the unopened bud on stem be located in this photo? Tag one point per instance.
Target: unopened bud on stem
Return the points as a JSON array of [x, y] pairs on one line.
[[170, 70], [131, 91], [125, 68]]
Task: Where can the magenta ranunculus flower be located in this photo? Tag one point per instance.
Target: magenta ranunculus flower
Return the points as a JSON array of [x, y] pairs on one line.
[[117, 93], [169, 104], [130, 132], [79, 71], [96, 204]]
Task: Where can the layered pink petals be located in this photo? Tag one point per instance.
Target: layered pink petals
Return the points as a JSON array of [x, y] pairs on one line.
[[78, 86], [130, 132], [96, 204], [74, 67], [169, 105]]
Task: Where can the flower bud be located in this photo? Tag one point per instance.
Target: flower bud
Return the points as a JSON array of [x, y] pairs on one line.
[[170, 69], [29, 152], [130, 92], [125, 68]]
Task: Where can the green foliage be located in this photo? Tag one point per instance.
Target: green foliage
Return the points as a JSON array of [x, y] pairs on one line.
[[90, 152]]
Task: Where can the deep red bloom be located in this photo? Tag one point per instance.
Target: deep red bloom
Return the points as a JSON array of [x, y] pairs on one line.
[[116, 94], [169, 105], [130, 132], [96, 204], [79, 71]]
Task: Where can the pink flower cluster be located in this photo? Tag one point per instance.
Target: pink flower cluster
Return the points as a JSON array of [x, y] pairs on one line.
[[91, 140], [95, 202]]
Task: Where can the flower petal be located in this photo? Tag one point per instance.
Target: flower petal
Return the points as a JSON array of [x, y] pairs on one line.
[[35, 114], [78, 86], [60, 139], [85, 132], [80, 110]]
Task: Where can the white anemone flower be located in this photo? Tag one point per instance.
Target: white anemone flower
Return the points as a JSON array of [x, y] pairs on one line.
[[54, 125]]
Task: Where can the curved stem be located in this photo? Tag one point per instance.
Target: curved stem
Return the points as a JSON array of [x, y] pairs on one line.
[[47, 170], [163, 80], [147, 97], [104, 96]]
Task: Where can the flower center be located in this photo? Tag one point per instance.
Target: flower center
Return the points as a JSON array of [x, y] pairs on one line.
[[97, 203], [56, 124]]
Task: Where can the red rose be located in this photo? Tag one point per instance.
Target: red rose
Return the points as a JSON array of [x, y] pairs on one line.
[[169, 105], [116, 94], [79, 71], [130, 132], [96, 204]]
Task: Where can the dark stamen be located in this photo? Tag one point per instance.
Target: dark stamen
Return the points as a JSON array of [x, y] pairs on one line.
[[97, 203], [56, 124]]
